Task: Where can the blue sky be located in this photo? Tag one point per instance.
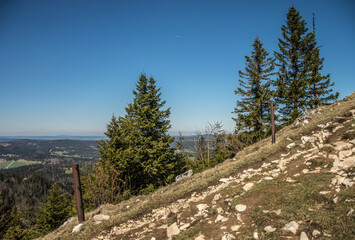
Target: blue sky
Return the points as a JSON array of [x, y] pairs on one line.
[[67, 66]]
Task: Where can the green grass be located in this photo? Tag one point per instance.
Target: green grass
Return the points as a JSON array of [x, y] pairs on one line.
[[5, 164], [15, 164]]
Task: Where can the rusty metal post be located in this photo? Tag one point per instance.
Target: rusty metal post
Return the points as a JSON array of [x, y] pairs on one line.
[[78, 198], [272, 123]]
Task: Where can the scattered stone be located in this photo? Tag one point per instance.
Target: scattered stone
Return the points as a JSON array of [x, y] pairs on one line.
[[306, 139], [341, 145], [201, 206], [78, 228], [217, 197], [228, 236], [248, 186], [201, 237], [337, 128], [302, 120], [268, 178], [256, 235], [101, 217], [269, 229], [153, 238], [67, 221], [185, 226], [291, 226], [220, 218], [240, 207], [324, 192], [235, 228], [316, 233], [290, 180], [186, 174], [291, 145], [335, 200], [224, 180], [348, 162], [303, 236], [345, 153], [172, 230], [285, 154], [220, 210], [278, 211], [350, 212]]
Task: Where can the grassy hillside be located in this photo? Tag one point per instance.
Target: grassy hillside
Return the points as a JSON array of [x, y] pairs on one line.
[[302, 186]]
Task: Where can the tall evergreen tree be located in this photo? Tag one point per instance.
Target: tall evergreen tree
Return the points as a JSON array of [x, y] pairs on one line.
[[293, 62], [319, 86], [55, 211], [253, 110], [139, 145]]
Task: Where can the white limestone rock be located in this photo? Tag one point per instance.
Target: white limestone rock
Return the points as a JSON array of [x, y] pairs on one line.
[[201, 207], [303, 236], [235, 228], [220, 218], [341, 145], [201, 237], [345, 153], [78, 228], [240, 207], [316, 233], [185, 226], [291, 145], [172, 230], [269, 229], [216, 197], [67, 221], [248, 186], [291, 226], [227, 236], [306, 139]]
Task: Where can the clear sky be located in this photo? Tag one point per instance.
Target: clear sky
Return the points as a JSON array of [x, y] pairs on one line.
[[67, 66]]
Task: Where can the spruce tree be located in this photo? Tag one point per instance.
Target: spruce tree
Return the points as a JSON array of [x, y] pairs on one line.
[[293, 62], [139, 144], [253, 109], [55, 211], [319, 86]]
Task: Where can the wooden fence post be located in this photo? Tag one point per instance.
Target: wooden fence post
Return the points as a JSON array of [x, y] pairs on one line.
[[273, 139], [78, 197]]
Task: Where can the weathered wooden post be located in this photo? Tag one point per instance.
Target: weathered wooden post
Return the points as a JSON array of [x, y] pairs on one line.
[[272, 123], [78, 198]]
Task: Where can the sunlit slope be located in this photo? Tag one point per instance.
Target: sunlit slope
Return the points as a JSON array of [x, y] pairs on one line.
[[301, 187]]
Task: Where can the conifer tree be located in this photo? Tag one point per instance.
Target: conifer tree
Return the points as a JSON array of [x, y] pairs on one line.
[[252, 121], [55, 211], [293, 62], [139, 144], [319, 86]]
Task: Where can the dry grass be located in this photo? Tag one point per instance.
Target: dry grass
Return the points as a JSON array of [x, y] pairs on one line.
[[254, 154]]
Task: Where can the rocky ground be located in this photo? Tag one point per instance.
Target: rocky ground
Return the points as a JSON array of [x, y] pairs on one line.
[[305, 190]]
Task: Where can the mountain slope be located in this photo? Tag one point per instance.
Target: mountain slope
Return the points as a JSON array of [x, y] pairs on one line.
[[302, 186]]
